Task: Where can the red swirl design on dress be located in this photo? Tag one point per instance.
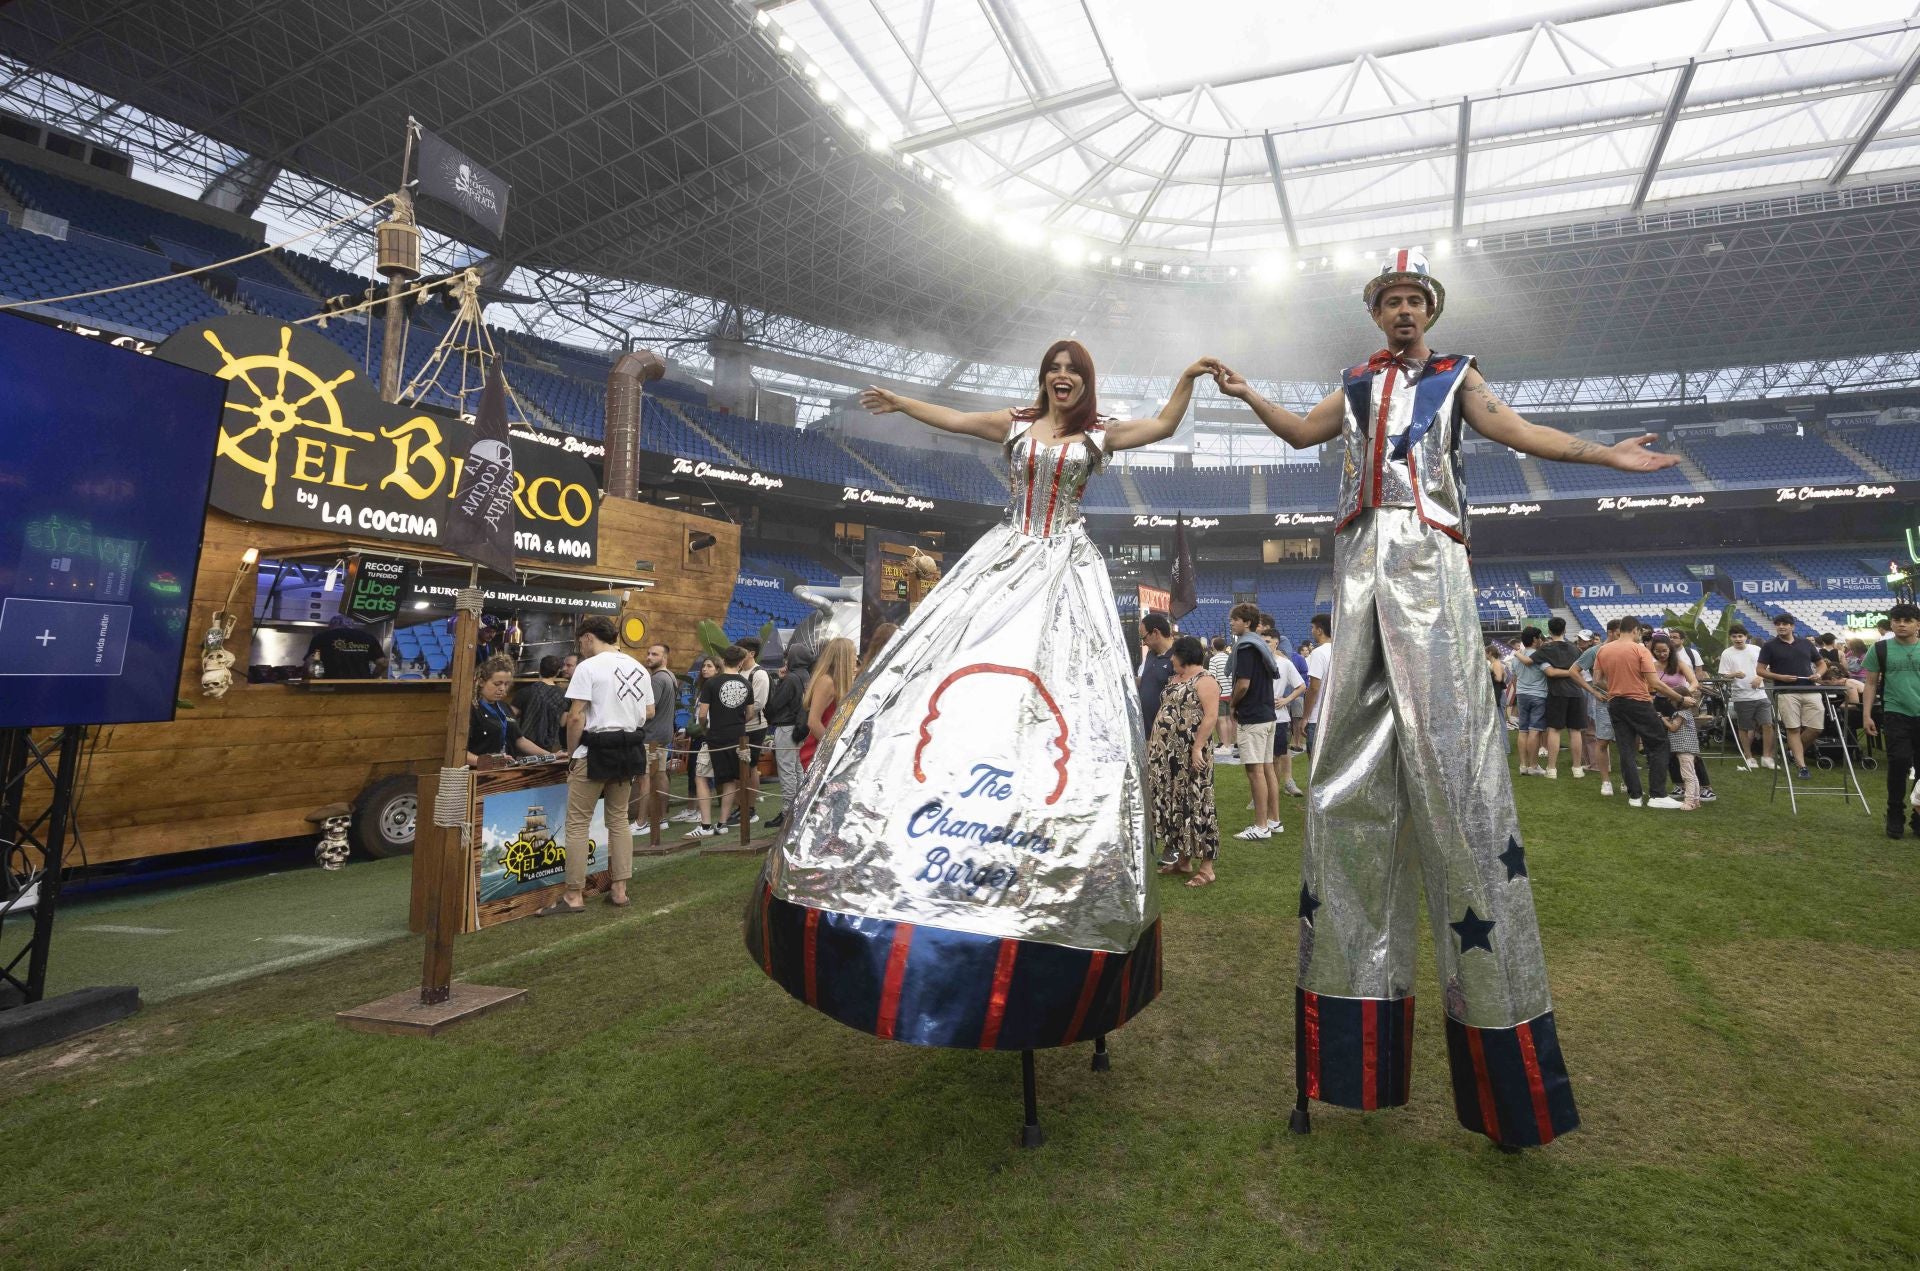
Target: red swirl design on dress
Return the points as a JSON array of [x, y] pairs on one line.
[[992, 668]]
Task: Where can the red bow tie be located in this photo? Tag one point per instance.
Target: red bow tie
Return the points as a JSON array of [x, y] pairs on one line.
[[1385, 358]]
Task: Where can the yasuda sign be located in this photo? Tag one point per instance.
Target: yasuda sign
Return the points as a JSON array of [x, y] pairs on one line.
[[307, 441]]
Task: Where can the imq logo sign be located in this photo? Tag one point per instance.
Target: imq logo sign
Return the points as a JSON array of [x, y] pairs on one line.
[[307, 441]]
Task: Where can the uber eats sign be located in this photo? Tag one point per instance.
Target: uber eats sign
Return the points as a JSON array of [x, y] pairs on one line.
[[307, 441]]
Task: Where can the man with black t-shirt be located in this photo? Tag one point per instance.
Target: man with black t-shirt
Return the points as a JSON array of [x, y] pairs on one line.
[[1790, 662], [1566, 700], [1253, 714], [725, 701], [347, 652]]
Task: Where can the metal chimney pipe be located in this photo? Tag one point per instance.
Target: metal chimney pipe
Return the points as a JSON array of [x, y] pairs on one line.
[[625, 390]]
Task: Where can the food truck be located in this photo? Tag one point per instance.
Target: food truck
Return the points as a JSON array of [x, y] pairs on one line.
[[326, 507]]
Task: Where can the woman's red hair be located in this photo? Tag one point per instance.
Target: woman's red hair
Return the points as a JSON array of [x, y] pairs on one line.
[[1082, 416]]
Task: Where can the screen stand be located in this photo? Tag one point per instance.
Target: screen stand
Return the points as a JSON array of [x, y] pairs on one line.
[[33, 839]]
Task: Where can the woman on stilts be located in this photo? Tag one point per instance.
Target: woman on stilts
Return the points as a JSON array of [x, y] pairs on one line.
[[968, 863]]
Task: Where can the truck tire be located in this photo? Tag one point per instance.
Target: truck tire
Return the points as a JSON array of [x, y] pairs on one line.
[[386, 817]]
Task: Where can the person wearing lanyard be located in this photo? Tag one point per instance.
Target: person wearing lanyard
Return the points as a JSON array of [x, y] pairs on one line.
[[491, 729]]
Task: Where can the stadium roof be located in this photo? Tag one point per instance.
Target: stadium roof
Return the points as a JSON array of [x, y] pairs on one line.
[[1610, 187]]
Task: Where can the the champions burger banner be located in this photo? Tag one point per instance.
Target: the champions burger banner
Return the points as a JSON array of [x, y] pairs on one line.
[[308, 442]]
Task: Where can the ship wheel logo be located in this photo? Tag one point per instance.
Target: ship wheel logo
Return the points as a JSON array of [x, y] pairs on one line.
[[298, 399]]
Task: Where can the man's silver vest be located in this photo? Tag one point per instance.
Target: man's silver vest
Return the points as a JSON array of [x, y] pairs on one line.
[[1402, 441]]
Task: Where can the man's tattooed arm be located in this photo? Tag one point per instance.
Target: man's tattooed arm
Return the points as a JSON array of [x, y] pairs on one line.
[[1497, 421]]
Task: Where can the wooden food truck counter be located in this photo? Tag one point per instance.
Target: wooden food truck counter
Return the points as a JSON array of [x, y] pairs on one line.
[[252, 764]]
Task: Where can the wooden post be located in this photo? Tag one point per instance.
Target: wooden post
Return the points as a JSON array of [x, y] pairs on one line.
[[448, 864], [740, 793], [656, 774]]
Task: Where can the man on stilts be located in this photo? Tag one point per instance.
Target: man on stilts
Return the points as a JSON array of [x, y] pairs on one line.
[[1411, 789]]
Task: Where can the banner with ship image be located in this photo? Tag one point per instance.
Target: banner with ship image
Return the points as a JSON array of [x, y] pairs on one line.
[[523, 849]]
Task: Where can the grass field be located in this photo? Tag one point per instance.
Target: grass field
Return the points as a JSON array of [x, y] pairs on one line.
[[1738, 994]]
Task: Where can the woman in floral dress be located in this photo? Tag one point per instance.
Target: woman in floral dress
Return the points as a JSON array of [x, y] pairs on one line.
[[1180, 765]]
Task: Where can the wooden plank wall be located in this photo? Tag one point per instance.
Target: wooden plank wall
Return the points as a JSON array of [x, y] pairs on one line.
[[251, 765]]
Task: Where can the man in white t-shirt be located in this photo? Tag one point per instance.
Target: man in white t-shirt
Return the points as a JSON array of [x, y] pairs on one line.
[[609, 700], [1318, 663], [1288, 689], [1752, 712]]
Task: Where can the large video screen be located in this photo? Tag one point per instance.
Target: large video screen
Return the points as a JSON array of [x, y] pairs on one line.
[[105, 457]]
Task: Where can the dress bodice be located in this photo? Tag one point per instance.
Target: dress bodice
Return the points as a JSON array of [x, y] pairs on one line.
[[1047, 480]]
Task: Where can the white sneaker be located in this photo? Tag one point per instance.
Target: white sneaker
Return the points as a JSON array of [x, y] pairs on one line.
[[1636, 803], [1753, 765], [1294, 790], [1670, 804], [701, 832], [1766, 763], [1606, 789], [685, 815], [1252, 834], [1578, 772], [1551, 774], [1276, 828]]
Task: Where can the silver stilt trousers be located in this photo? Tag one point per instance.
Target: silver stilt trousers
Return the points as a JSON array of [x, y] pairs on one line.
[[1411, 793]]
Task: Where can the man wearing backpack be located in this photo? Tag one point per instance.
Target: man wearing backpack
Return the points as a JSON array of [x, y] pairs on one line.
[[1894, 666], [761, 685], [786, 712]]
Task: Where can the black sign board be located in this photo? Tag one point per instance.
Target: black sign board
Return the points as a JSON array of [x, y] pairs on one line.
[[430, 596], [306, 441], [376, 587]]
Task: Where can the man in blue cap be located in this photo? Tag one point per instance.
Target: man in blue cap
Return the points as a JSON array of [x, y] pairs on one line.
[[1410, 780]]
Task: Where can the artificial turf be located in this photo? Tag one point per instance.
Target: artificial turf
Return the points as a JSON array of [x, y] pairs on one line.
[[1737, 992]]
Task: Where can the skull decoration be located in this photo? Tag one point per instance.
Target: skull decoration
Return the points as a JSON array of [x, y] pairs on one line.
[[216, 664], [216, 673], [332, 850]]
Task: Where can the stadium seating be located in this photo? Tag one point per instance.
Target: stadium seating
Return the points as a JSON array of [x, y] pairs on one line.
[[33, 266], [1494, 475], [1895, 447], [1586, 480], [1779, 458], [1212, 490]]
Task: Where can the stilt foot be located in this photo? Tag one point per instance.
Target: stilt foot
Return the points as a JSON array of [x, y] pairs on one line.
[[1032, 1136], [1299, 1122]]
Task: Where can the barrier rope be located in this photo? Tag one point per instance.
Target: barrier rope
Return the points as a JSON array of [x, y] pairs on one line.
[[188, 273]]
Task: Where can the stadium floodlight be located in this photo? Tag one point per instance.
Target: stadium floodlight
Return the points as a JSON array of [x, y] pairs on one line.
[[762, 19], [1069, 249], [1093, 257], [1165, 270], [1233, 271], [1115, 262], [1022, 231], [1186, 271], [855, 118], [829, 92], [876, 142], [975, 203], [1273, 267], [1139, 265], [811, 70], [785, 43], [1443, 247], [1342, 258], [1473, 242]]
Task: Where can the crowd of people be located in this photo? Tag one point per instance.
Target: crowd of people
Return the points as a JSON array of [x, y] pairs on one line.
[[1629, 701], [1631, 704]]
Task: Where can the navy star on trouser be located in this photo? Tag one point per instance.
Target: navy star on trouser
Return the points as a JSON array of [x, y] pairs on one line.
[[1411, 793]]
